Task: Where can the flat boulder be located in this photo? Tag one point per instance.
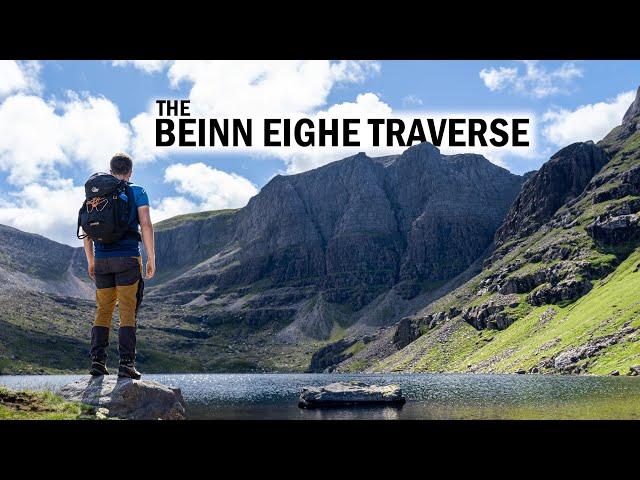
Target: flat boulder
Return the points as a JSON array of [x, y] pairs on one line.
[[126, 398], [350, 394]]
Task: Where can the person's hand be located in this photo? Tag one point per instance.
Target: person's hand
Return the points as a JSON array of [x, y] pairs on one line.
[[151, 269], [91, 268]]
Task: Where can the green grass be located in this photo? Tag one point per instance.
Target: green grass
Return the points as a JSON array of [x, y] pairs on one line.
[[355, 348], [189, 217], [337, 333], [26, 405], [356, 366], [613, 304]]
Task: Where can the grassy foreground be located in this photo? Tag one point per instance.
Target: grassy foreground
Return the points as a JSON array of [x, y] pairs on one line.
[[26, 405]]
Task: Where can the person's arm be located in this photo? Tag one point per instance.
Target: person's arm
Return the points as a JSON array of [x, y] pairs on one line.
[[146, 230], [88, 251]]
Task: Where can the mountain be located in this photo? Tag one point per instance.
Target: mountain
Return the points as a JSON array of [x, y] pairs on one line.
[[32, 262], [311, 250], [559, 292]]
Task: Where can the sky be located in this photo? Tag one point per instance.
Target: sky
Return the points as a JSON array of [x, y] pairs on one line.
[[61, 121]]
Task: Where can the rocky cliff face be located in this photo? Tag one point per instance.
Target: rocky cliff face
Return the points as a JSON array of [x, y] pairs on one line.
[[184, 241], [342, 234], [357, 224], [631, 118], [559, 181]]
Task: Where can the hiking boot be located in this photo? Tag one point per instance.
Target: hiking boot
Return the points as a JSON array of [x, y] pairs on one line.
[[127, 349], [128, 369], [98, 367], [99, 344]]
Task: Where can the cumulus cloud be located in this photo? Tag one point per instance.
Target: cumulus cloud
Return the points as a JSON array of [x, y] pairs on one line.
[[147, 66], [498, 78], [207, 187], [19, 77], [49, 208], [367, 105], [92, 131], [353, 71], [534, 80], [259, 89], [38, 135], [587, 122], [242, 88], [171, 206]]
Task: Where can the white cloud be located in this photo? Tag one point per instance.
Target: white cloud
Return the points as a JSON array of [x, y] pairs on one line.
[[254, 88], [92, 131], [367, 105], [411, 100], [31, 141], [171, 206], [147, 66], [49, 208], [498, 78], [587, 122], [535, 80], [143, 142], [19, 77], [353, 71], [36, 138], [210, 188], [257, 89]]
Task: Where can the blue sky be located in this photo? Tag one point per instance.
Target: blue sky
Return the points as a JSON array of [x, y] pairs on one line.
[[60, 118]]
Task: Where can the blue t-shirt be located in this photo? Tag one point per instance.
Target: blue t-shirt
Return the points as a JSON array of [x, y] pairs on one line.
[[126, 247]]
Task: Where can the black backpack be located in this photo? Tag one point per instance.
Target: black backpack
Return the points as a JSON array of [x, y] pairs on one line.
[[104, 215]]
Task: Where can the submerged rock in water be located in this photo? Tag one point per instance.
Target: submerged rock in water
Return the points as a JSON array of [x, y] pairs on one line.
[[127, 398], [350, 394]]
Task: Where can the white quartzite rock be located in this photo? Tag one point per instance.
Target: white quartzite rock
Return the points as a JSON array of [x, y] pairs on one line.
[[127, 398], [350, 394]]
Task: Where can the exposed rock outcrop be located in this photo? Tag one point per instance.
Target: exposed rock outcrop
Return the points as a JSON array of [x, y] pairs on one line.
[[564, 281], [567, 361], [406, 332], [611, 230], [409, 329], [630, 119], [558, 181], [629, 184], [492, 314], [127, 398], [568, 290], [330, 355]]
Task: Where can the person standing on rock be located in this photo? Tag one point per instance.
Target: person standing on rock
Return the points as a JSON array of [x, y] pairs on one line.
[[116, 266]]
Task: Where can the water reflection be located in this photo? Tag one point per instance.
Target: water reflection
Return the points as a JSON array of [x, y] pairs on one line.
[[430, 396]]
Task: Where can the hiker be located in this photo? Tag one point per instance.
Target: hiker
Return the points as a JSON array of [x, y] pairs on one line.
[[110, 217]]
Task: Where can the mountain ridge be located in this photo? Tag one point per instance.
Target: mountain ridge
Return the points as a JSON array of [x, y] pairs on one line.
[[559, 297], [308, 231]]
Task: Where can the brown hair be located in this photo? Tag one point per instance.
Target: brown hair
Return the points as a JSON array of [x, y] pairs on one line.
[[121, 164]]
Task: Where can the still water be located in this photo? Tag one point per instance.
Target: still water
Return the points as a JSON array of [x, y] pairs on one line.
[[429, 396]]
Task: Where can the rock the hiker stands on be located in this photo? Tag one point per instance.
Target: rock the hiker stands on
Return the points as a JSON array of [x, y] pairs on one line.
[[350, 394], [127, 398]]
